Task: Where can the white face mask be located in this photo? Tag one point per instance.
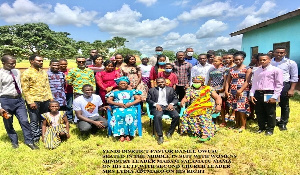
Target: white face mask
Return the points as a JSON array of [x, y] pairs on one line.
[[190, 54]]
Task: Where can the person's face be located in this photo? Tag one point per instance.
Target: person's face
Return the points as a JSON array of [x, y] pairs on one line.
[[162, 59], [158, 49], [196, 81], [88, 91], [264, 61], [217, 62], [211, 59], [93, 52], [132, 61], [279, 53], [238, 60], [168, 67], [63, 65], [270, 53], [9, 64], [80, 63], [253, 60], [54, 107], [123, 85], [37, 62], [99, 61], [161, 83], [145, 61], [119, 59], [110, 67], [189, 51], [229, 59], [202, 59], [180, 56], [54, 66]]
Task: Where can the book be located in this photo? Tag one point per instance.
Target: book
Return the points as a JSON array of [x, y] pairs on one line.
[[268, 96]]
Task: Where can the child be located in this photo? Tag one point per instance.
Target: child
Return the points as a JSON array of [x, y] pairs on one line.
[[55, 126], [145, 69], [171, 78]]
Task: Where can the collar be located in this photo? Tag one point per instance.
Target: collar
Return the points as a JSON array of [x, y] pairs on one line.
[[283, 59], [266, 68]]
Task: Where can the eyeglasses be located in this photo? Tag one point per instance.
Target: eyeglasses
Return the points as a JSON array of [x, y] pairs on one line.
[[81, 61]]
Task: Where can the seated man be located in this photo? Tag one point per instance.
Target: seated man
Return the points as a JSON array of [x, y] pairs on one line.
[[86, 108], [161, 101]]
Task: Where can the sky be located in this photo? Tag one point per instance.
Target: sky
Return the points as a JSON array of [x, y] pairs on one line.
[[173, 24]]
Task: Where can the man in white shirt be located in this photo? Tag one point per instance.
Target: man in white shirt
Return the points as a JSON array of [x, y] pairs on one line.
[[86, 108], [161, 100], [202, 68]]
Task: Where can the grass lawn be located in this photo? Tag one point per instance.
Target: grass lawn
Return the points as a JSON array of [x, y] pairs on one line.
[[26, 64]]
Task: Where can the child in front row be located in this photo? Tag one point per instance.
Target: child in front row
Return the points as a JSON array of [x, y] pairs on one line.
[[55, 126]]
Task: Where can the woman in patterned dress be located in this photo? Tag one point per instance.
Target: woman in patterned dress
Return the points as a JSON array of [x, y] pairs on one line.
[[237, 90], [197, 118], [124, 114]]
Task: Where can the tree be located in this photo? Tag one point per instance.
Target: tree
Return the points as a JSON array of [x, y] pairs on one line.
[[125, 51], [232, 51], [170, 54], [220, 52]]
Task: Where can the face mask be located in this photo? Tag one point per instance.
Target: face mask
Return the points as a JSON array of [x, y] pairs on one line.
[[190, 54], [168, 70], [158, 52], [161, 63], [197, 85]]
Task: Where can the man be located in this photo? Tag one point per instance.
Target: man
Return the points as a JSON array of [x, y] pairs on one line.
[[290, 79], [77, 77], [12, 103], [189, 52], [93, 57], [202, 68], [210, 56], [57, 84], [86, 108], [37, 93], [161, 100], [63, 64], [267, 81], [153, 59], [182, 70]]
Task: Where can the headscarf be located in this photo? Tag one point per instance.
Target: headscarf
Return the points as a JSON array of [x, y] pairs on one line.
[[201, 78], [124, 78]]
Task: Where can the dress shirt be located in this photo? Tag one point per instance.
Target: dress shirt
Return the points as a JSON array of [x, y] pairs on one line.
[[7, 84], [57, 85], [269, 78], [35, 85], [78, 77], [162, 97], [193, 61], [289, 68], [202, 71], [183, 72]]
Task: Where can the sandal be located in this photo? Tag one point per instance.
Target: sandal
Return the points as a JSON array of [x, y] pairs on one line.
[[231, 118], [122, 139], [223, 125], [127, 138]]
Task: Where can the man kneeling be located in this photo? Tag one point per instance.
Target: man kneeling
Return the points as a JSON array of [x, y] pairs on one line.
[[86, 108], [161, 101]]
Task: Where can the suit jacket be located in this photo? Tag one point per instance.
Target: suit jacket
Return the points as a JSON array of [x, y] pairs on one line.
[[152, 96]]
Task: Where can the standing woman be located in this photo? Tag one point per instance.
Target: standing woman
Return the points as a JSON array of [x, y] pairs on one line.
[[98, 64], [118, 62], [134, 74], [229, 62], [159, 67], [105, 79], [237, 90]]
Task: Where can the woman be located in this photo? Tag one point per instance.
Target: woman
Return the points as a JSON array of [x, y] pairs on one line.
[[105, 79], [197, 118], [134, 74], [229, 62], [237, 90], [159, 67], [124, 119], [97, 66]]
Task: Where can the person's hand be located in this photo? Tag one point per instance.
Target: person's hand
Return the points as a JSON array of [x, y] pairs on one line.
[[108, 89], [170, 107], [158, 107], [121, 105], [106, 107], [2, 111], [227, 94], [99, 124], [182, 103], [252, 99], [271, 100], [128, 105], [33, 106], [218, 108], [239, 94], [290, 93]]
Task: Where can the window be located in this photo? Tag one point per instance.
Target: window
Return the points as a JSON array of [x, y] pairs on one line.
[[254, 50], [286, 45]]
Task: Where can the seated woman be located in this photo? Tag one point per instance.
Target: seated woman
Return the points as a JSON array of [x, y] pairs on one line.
[[55, 126], [197, 118], [124, 114]]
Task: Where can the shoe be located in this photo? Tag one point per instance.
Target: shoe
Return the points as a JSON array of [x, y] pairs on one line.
[[204, 139], [122, 139], [260, 131], [32, 146], [160, 140], [169, 135], [282, 127], [15, 145], [269, 133]]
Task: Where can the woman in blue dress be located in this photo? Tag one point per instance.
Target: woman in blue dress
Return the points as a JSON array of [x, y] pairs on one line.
[[124, 118]]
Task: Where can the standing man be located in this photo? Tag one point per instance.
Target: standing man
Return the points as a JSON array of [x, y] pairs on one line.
[[77, 77], [182, 70], [210, 56], [37, 93], [153, 59], [11, 102], [189, 52], [161, 100], [93, 57], [202, 68], [290, 79]]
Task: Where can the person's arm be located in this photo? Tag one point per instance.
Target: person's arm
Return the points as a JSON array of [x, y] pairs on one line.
[[152, 78], [228, 81], [239, 93], [139, 74], [44, 127], [92, 79], [70, 77], [25, 83], [278, 81], [293, 71], [137, 99], [99, 80], [149, 99], [48, 89], [67, 125], [218, 101], [110, 100], [86, 119]]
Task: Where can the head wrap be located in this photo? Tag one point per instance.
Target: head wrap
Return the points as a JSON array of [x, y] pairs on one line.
[[202, 79], [143, 56], [118, 80]]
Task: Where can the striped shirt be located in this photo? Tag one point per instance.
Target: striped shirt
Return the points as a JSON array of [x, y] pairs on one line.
[[183, 72]]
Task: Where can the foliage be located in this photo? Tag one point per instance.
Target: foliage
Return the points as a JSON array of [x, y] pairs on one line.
[[232, 51], [170, 54], [125, 51]]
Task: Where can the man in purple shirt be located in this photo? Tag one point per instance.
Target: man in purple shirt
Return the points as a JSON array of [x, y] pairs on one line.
[[267, 82], [290, 79]]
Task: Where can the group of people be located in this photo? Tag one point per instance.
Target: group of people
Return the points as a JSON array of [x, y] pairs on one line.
[[207, 86]]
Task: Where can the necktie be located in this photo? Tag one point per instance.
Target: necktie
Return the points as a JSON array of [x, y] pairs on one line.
[[15, 82]]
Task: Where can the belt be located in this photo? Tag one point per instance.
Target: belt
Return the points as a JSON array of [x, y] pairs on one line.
[[265, 91], [10, 96]]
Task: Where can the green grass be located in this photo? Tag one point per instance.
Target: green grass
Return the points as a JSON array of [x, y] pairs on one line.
[[26, 64], [256, 154]]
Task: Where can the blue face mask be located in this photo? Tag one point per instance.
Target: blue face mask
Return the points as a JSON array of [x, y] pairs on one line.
[[161, 63], [158, 52], [168, 70]]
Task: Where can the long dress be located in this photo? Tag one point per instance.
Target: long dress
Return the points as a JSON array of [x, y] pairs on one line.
[[55, 126], [124, 120], [132, 74], [237, 81], [197, 118]]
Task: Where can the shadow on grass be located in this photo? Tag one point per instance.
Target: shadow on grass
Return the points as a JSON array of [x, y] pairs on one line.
[[5, 137], [296, 97]]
